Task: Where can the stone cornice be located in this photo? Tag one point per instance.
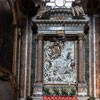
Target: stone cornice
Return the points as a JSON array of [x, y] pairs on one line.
[[64, 22]]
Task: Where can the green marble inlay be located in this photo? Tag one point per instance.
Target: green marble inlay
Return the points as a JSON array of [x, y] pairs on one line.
[[87, 60], [33, 61]]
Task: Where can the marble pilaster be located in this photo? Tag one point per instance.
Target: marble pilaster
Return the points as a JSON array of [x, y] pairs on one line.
[[82, 87], [40, 58], [81, 59], [39, 70]]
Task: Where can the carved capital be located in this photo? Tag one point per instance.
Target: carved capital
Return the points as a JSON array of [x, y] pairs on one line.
[[39, 37], [81, 36]]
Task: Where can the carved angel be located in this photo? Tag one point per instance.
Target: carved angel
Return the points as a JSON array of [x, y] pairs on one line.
[[77, 9]]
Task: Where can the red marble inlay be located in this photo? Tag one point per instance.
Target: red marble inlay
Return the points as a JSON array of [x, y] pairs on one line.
[[59, 98]]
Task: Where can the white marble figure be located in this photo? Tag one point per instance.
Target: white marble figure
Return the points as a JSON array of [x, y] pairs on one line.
[[77, 9]]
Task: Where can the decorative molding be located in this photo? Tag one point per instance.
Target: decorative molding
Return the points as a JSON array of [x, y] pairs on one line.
[[63, 22], [66, 24]]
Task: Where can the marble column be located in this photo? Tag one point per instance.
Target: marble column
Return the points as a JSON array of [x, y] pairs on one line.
[[82, 87], [39, 66], [40, 58], [81, 59]]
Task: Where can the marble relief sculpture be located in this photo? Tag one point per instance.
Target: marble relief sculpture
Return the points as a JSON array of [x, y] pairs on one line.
[[59, 65]]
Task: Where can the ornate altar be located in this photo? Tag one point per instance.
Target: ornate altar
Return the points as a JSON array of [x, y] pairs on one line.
[[60, 52]]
